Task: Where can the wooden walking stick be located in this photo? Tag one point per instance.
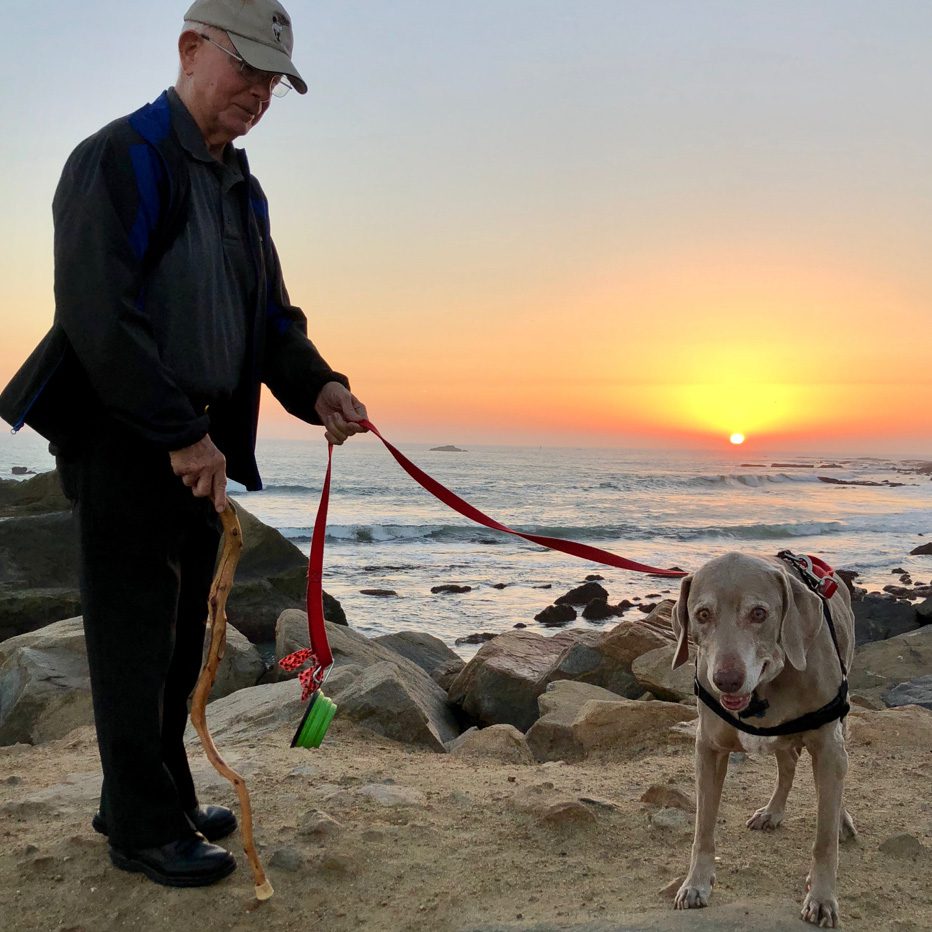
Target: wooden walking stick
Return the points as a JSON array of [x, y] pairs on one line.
[[217, 625]]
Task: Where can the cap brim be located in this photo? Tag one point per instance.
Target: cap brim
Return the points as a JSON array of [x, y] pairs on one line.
[[266, 58]]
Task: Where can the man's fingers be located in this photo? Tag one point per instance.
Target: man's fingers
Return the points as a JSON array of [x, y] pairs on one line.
[[204, 485], [220, 491]]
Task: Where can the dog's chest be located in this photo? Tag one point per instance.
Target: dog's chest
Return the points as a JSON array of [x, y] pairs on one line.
[[753, 744]]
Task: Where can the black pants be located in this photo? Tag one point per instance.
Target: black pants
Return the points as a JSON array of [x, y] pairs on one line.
[[147, 553]]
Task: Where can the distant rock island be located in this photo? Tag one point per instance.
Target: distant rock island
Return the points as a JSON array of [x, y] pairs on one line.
[[447, 448]]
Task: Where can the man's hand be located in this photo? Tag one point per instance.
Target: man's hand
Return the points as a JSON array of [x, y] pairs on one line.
[[339, 409], [203, 469]]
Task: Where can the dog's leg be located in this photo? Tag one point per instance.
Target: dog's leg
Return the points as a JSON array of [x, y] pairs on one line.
[[768, 818], [829, 766], [846, 829], [711, 766]]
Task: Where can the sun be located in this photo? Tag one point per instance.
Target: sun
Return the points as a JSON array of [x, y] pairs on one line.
[[736, 439]]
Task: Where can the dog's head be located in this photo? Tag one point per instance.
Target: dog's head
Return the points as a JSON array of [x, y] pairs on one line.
[[748, 617]]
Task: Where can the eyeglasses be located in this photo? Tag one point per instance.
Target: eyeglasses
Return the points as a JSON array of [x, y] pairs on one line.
[[279, 85]]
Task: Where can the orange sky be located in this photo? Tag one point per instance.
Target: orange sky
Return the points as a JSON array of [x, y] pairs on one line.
[[639, 224]]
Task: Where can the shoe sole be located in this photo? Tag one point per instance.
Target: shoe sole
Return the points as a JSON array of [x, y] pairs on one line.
[[220, 831], [132, 866]]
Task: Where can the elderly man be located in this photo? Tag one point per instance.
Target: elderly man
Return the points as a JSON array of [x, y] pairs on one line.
[[170, 313]]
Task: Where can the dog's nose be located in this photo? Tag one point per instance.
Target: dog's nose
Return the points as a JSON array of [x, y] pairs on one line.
[[728, 679]]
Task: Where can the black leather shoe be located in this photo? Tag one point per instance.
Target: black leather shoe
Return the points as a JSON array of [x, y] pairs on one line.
[[213, 822], [188, 862]]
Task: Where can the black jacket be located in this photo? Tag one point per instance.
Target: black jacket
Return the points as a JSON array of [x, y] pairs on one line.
[[122, 198]]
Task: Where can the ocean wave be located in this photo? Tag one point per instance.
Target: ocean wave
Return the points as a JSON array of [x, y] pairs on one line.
[[748, 480], [470, 534]]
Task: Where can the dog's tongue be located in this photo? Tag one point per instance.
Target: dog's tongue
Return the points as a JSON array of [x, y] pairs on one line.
[[735, 703]]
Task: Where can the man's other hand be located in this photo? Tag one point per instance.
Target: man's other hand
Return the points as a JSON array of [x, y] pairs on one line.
[[339, 410], [203, 469]]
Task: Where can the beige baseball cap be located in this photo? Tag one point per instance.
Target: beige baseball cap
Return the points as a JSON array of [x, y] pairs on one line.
[[260, 31]]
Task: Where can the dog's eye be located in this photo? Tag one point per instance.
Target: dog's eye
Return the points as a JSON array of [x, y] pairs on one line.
[[702, 615], [758, 613]]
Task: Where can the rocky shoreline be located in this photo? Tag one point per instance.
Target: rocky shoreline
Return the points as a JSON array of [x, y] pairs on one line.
[[507, 792]]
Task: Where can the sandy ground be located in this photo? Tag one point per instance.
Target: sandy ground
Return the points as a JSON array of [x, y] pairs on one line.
[[463, 844]]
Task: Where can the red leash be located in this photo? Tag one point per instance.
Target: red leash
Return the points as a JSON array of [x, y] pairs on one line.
[[319, 654]]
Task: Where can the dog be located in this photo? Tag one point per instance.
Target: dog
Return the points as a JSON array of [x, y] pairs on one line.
[[766, 656]]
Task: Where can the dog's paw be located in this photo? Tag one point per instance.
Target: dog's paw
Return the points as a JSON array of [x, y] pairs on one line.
[[692, 895], [764, 820], [846, 829], [821, 911]]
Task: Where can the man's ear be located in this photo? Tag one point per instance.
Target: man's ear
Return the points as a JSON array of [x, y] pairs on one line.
[[681, 623], [802, 619]]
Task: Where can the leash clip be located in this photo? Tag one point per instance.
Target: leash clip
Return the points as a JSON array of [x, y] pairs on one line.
[[816, 573]]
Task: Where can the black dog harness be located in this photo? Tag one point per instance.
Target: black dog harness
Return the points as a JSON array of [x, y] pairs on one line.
[[818, 576]]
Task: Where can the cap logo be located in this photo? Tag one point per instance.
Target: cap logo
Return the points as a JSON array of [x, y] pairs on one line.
[[279, 22]]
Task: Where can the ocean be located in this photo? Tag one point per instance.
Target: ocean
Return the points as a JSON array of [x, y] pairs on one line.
[[660, 508]]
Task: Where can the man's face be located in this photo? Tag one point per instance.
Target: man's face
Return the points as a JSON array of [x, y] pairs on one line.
[[231, 102]]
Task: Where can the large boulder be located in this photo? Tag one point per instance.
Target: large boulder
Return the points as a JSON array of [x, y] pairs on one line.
[[653, 672], [252, 713], [881, 665], [38, 495], [39, 567], [38, 571], [877, 617], [500, 685], [384, 700], [604, 659], [427, 651], [45, 684], [405, 688], [915, 692], [571, 729], [45, 688], [271, 577]]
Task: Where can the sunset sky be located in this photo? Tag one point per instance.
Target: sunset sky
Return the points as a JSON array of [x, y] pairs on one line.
[[608, 222]]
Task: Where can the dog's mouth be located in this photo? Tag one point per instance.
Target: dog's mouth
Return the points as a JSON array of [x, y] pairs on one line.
[[735, 702]]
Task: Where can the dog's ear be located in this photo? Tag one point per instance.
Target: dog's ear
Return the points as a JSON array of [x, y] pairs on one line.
[[802, 619], [681, 623]]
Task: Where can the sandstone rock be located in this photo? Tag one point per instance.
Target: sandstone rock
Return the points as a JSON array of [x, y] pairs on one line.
[[240, 667], [388, 794], [598, 610], [903, 846], [915, 692], [924, 612], [249, 714], [395, 705], [583, 594], [39, 495], [45, 689], [480, 637], [427, 651], [889, 662], [921, 549], [38, 565], [877, 618], [446, 673], [286, 859], [667, 797], [620, 726], [500, 685], [671, 820], [425, 704], [556, 615], [450, 588], [584, 660], [567, 814], [318, 825], [499, 742], [653, 671]]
